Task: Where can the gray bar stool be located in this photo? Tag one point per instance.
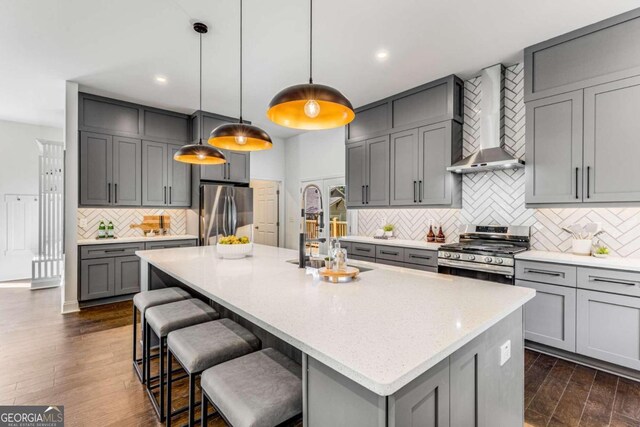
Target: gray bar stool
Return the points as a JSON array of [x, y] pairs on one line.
[[202, 346], [262, 389], [166, 318], [141, 302]]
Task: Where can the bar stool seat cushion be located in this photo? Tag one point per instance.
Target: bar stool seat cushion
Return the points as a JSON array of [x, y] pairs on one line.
[[262, 389], [147, 299], [165, 318], [208, 344]]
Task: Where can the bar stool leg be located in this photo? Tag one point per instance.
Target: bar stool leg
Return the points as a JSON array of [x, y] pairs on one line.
[[145, 353], [192, 398], [161, 344], [169, 385], [146, 361], [204, 410]]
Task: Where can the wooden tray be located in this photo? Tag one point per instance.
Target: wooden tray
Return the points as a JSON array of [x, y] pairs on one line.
[[335, 276]]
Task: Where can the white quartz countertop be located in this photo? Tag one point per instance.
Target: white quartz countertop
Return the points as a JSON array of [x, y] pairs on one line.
[[136, 239], [611, 262], [405, 243], [382, 330]]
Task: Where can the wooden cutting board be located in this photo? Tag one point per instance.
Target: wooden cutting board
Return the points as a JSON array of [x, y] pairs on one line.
[[335, 275]]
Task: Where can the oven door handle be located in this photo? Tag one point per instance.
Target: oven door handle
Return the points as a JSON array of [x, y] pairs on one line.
[[475, 266]]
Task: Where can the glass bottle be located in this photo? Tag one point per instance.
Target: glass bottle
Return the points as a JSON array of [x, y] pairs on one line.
[[440, 237], [102, 230], [110, 231], [431, 236]]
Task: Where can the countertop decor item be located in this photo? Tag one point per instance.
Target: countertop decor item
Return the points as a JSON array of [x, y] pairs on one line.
[[310, 106], [153, 224], [240, 136], [600, 251], [581, 246], [431, 236], [335, 276], [440, 238], [200, 154], [388, 230], [232, 247]]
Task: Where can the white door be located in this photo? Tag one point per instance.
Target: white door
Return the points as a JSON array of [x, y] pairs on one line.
[[265, 212]]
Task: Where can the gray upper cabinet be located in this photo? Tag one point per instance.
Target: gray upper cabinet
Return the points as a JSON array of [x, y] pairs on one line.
[[154, 173], [599, 53], [165, 125], [238, 166], [109, 115], [377, 172], [424, 105], [96, 169], [178, 180], [127, 171], [356, 158], [612, 141], [419, 158], [404, 168], [554, 149]]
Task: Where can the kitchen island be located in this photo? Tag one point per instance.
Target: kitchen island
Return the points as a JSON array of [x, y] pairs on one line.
[[396, 347]]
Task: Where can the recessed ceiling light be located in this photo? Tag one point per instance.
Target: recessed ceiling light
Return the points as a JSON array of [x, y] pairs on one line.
[[382, 55], [161, 80]]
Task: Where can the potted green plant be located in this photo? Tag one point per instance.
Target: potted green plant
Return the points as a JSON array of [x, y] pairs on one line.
[[601, 251], [327, 263], [388, 230]]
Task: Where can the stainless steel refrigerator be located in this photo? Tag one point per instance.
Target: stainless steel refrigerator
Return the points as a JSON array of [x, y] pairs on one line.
[[225, 210]]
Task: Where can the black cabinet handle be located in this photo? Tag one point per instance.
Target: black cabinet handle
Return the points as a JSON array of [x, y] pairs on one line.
[[364, 200], [115, 190], [616, 282], [420, 191], [109, 192], [367, 193], [546, 273], [114, 250], [419, 256], [577, 183], [169, 194], [588, 181], [390, 253], [165, 195], [362, 249], [415, 196]]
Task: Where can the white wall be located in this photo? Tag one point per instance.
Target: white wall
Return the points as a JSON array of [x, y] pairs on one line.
[[309, 156], [19, 175]]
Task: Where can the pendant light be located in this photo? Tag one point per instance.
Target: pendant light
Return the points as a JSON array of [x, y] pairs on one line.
[[240, 136], [199, 154], [310, 106]]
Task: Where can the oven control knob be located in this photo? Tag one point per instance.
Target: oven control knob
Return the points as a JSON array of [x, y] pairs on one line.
[[446, 254], [488, 259], [471, 257], [456, 256], [499, 261]]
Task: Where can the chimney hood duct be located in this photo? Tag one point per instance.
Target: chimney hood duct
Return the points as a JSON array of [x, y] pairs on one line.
[[491, 155]]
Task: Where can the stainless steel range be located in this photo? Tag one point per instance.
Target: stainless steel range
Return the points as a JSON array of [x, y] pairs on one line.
[[485, 252]]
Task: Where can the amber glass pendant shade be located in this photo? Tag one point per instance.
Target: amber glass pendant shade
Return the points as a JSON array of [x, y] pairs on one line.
[[310, 107], [240, 137], [199, 154]]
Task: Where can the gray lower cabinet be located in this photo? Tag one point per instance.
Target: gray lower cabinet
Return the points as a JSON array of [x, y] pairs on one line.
[[424, 401], [611, 149], [127, 171], [96, 169], [609, 327], [554, 166], [367, 173], [170, 244], [97, 278], [550, 317], [127, 275], [165, 182], [398, 256]]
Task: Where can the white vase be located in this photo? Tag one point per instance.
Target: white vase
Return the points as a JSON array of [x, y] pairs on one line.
[[388, 233], [581, 246]]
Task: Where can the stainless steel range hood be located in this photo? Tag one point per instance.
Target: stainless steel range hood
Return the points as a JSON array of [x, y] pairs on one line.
[[491, 155]]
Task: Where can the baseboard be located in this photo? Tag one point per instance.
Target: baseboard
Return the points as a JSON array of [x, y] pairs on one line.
[[70, 307], [45, 283]]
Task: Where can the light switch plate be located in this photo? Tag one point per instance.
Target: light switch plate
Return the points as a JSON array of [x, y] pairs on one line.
[[505, 352]]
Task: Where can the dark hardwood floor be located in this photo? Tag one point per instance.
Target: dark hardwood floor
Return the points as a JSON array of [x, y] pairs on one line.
[[83, 361]]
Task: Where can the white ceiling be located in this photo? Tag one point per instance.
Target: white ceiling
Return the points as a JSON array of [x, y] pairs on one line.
[[116, 48]]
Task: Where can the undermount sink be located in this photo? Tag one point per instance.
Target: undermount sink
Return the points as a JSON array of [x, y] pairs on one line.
[[359, 267]]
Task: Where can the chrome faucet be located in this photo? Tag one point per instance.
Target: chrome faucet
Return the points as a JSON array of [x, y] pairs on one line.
[[302, 257]]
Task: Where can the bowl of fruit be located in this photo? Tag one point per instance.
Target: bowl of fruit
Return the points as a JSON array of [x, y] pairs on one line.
[[234, 247]]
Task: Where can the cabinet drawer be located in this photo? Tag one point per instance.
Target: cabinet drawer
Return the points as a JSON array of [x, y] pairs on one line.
[[167, 244], [390, 253], [363, 249], [421, 257], [346, 246], [555, 274], [617, 282], [104, 251], [550, 317]]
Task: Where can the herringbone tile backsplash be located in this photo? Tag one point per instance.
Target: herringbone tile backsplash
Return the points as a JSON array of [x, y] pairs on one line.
[[123, 218], [498, 197]]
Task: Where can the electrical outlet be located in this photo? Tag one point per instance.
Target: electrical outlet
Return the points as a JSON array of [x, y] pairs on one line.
[[82, 222], [505, 352]]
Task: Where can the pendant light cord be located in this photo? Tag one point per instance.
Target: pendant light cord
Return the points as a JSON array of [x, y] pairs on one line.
[[200, 94], [310, 41], [240, 61]]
